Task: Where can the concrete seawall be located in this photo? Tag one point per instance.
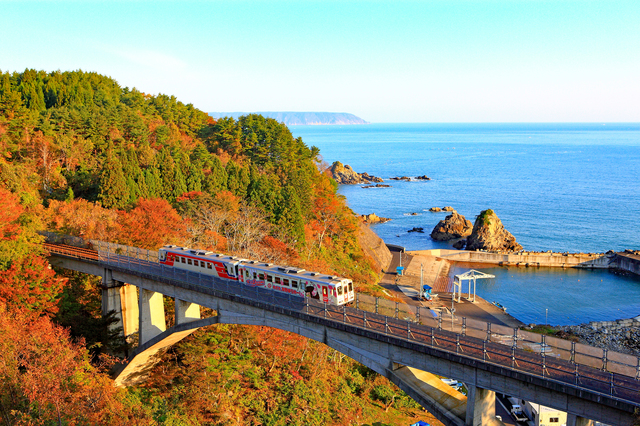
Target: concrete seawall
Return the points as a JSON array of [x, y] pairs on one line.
[[629, 262], [547, 259], [625, 261]]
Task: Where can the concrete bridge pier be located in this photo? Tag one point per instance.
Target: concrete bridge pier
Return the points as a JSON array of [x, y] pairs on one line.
[[152, 321], [573, 420], [481, 406], [186, 312], [123, 299]]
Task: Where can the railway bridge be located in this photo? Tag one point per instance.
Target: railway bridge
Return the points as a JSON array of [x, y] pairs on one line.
[[407, 346]]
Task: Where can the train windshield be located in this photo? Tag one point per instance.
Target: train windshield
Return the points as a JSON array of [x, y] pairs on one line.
[[163, 255]]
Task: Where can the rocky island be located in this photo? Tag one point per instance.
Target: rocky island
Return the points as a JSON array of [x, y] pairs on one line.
[[452, 227], [345, 175], [489, 234], [373, 218]]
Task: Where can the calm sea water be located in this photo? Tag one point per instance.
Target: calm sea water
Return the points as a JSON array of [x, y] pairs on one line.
[[560, 187]]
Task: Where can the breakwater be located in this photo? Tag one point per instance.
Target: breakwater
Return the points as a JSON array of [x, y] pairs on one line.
[[626, 261]]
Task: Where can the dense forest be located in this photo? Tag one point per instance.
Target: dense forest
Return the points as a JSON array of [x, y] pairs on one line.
[[80, 155]]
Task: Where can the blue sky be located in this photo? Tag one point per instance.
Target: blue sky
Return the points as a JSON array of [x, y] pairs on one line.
[[385, 61]]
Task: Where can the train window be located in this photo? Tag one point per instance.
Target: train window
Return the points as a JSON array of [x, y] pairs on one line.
[[182, 260], [202, 264], [208, 265], [324, 291], [189, 261], [339, 290], [269, 278], [294, 283], [163, 255], [277, 280], [255, 276], [350, 287], [285, 282], [261, 275]]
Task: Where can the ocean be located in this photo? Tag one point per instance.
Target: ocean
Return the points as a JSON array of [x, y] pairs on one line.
[[561, 187]]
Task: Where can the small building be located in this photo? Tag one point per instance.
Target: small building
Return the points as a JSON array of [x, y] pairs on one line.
[[545, 416]]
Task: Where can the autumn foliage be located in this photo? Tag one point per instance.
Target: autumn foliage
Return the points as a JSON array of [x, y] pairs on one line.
[[47, 379], [73, 144], [151, 224], [29, 283]]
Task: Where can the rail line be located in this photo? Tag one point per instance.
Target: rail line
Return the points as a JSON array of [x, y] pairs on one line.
[[623, 387]]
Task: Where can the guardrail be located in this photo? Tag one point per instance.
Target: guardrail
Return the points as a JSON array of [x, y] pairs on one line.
[[606, 372]]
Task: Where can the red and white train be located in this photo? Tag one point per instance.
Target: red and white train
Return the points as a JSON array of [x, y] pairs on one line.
[[327, 288]]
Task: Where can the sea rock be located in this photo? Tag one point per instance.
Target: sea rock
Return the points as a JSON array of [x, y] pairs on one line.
[[460, 244], [373, 218], [407, 178], [435, 209], [453, 226], [344, 174], [423, 177], [377, 185], [420, 230], [489, 234], [448, 209]]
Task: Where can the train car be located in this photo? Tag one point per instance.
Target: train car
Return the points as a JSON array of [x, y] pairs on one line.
[[326, 288]]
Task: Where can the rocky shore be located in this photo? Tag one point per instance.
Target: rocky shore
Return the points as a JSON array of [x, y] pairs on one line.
[[620, 336]]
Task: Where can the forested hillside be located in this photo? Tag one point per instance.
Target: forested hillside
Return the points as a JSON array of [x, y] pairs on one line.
[[81, 155]]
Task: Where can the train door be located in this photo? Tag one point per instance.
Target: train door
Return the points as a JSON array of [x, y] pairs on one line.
[[325, 294]]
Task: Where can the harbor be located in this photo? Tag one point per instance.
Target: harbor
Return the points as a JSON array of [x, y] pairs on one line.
[[530, 295]]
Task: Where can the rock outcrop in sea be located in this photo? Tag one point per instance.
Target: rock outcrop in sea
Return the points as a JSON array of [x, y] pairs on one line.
[[344, 174], [373, 218], [453, 226], [489, 234]]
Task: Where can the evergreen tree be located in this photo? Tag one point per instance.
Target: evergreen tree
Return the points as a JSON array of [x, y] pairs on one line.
[[180, 184], [216, 180], [290, 215], [114, 192], [167, 174], [195, 177], [153, 182]]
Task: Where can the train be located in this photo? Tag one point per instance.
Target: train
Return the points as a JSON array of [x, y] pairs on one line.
[[329, 289]]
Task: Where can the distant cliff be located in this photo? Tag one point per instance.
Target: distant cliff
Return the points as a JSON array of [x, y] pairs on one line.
[[294, 118]]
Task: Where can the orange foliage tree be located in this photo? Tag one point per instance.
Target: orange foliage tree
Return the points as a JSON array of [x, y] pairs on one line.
[[46, 379], [26, 280], [83, 219], [151, 224], [29, 283]]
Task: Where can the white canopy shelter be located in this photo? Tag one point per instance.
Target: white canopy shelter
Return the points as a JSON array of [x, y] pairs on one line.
[[471, 275]]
